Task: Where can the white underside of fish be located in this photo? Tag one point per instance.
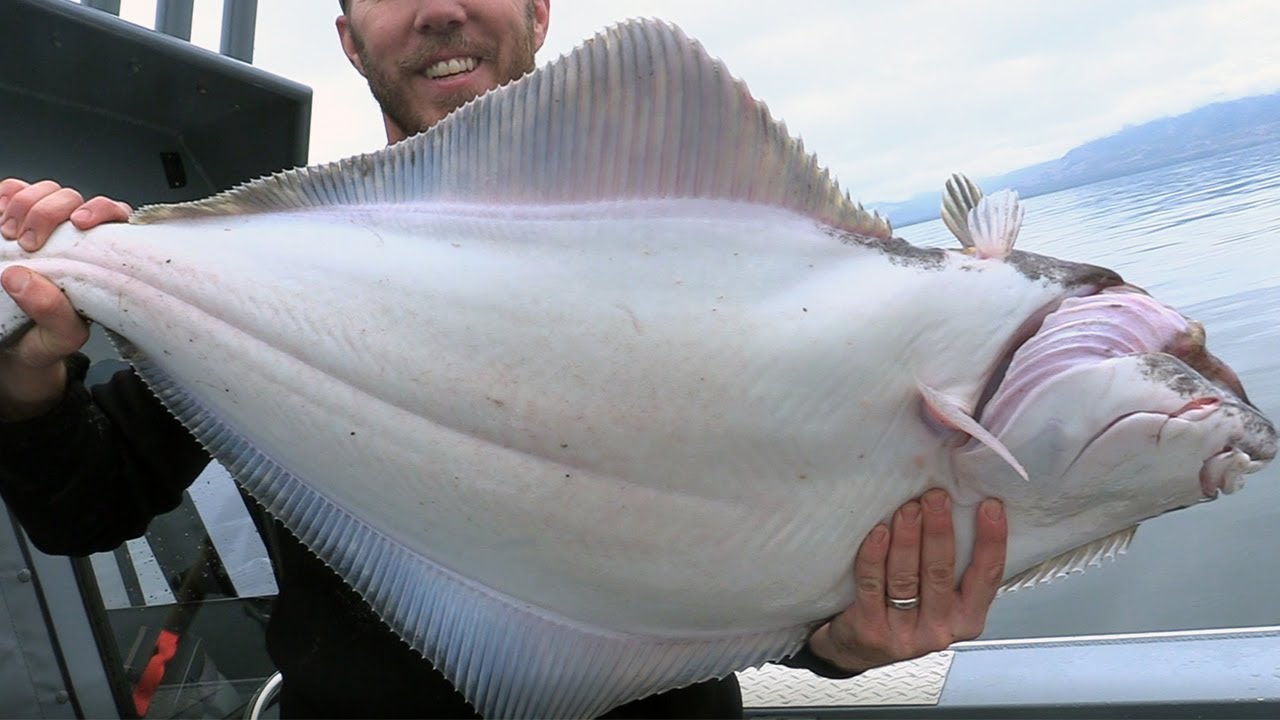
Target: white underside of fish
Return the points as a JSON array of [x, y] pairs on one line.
[[647, 422], [557, 401]]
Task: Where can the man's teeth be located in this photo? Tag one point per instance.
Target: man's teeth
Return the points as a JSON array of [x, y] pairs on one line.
[[452, 67]]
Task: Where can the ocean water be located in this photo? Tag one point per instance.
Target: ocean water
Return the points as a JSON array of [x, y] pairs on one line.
[[1204, 237]]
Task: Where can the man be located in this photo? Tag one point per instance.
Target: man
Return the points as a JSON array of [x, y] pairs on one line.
[[87, 469]]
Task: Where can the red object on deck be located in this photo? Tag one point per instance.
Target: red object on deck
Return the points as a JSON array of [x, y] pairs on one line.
[[166, 648]]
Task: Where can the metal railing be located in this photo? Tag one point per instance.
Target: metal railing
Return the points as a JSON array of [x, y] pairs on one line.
[[173, 17]]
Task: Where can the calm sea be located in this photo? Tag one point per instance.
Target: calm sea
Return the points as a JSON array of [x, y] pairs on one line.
[[1203, 236]]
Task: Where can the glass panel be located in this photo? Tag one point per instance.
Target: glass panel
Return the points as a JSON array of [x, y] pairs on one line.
[[183, 610]]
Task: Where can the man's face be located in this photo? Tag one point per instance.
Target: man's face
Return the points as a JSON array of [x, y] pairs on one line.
[[425, 58]]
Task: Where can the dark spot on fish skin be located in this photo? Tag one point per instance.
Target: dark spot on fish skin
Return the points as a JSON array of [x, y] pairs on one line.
[[898, 251], [1034, 267], [635, 320], [166, 262], [564, 446], [1063, 272], [804, 309], [495, 401], [1258, 436], [353, 433], [1176, 375]]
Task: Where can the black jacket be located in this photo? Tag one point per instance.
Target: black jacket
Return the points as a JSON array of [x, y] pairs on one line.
[[94, 471]]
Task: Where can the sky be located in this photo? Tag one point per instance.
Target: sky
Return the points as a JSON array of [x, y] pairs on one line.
[[892, 96]]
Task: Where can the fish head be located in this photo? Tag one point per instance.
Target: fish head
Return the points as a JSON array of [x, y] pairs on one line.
[[1117, 412]]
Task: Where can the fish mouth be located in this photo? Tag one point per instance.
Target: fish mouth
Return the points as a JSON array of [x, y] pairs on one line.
[[1224, 472]]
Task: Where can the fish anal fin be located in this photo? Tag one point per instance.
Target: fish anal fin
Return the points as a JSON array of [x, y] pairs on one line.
[[1077, 560], [507, 657], [952, 413]]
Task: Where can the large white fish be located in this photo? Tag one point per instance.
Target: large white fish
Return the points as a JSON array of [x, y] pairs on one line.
[[594, 389]]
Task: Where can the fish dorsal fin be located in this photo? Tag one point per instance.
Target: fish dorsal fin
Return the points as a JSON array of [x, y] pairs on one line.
[[1091, 554], [638, 112]]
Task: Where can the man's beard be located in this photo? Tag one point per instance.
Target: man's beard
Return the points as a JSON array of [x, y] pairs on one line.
[[396, 96]]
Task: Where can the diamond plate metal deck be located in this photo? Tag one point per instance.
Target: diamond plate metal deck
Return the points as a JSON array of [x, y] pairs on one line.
[[916, 682]]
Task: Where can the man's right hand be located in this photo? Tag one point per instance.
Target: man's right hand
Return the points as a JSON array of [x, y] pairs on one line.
[[33, 375]]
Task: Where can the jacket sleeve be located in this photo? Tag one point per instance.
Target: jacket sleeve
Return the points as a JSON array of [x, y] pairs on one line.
[[92, 472], [806, 659]]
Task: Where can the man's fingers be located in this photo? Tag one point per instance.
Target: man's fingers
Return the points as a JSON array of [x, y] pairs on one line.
[[14, 221], [100, 210], [30, 213], [903, 565], [986, 570], [47, 214], [59, 331], [937, 562], [869, 568], [8, 188]]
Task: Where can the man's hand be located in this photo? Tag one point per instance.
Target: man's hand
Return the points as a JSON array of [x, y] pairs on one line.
[[916, 559], [32, 374]]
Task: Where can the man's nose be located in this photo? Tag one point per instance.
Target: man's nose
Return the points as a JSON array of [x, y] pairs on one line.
[[440, 15]]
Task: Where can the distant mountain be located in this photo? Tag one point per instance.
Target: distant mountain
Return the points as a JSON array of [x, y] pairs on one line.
[[1204, 131]]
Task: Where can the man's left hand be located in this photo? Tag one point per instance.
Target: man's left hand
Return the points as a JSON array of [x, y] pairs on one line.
[[916, 559]]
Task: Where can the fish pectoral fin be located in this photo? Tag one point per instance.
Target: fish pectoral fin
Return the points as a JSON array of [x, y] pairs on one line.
[[994, 224], [986, 226], [952, 413]]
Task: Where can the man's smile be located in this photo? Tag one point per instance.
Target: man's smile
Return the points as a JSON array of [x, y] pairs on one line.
[[451, 67]]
